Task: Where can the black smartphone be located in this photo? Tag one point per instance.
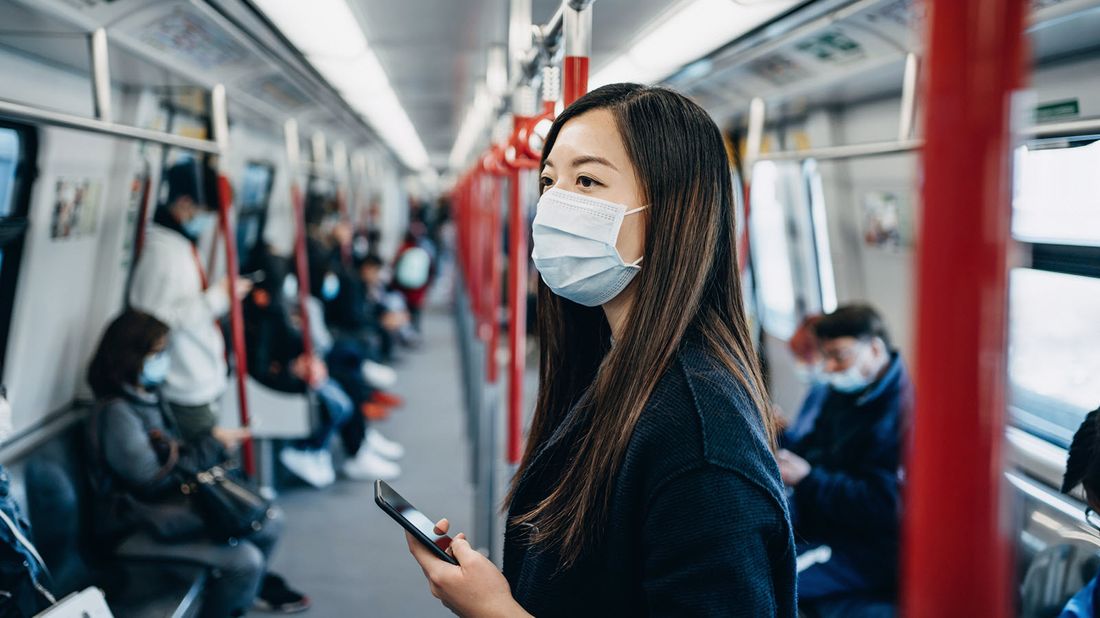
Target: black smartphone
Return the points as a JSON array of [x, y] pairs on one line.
[[412, 520]]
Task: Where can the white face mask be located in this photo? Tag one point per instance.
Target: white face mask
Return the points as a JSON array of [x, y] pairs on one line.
[[809, 373], [851, 380], [574, 246]]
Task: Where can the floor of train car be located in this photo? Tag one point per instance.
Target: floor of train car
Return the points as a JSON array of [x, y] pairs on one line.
[[344, 552]]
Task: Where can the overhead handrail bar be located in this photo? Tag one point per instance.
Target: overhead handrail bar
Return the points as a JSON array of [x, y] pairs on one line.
[[847, 151], [1058, 129], [18, 111]]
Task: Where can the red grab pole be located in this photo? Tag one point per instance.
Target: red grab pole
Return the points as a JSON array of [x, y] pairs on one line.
[[956, 543], [577, 34], [301, 262], [236, 316]]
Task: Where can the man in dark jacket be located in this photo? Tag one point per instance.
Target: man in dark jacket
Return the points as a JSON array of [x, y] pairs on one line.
[[841, 462]]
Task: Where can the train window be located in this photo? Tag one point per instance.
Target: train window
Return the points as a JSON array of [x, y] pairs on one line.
[[1057, 192], [253, 196], [772, 248], [823, 257], [785, 252], [16, 171], [1054, 351]]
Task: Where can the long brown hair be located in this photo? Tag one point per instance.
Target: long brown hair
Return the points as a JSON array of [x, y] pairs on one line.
[[122, 350], [689, 280]]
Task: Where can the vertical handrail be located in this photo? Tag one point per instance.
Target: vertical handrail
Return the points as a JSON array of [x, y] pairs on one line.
[[219, 124], [301, 257], [577, 32], [956, 538]]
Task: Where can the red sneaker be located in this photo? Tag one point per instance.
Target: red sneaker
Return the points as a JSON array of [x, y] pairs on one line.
[[387, 399]]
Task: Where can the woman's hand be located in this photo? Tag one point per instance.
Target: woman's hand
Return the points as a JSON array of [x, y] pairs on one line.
[[474, 588]]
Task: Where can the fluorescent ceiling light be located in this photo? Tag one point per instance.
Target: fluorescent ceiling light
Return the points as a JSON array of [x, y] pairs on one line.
[[691, 30], [327, 32]]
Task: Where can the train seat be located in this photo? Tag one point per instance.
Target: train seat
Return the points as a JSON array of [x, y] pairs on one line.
[[57, 494], [1056, 573]]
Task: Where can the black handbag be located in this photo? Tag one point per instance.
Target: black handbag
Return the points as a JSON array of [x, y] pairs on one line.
[[231, 508]]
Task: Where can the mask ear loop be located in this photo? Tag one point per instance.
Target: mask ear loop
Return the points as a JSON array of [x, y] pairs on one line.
[[628, 213]]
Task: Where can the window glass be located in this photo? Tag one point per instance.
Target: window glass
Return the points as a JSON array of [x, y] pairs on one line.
[[1057, 192], [9, 160], [771, 251], [255, 189], [1054, 351]]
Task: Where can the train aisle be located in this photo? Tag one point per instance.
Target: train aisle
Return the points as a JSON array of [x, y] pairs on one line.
[[339, 547]]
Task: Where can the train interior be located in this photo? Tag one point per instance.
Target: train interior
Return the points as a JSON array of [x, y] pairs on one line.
[[821, 106]]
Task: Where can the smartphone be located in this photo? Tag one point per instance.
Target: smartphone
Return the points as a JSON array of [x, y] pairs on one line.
[[412, 520]]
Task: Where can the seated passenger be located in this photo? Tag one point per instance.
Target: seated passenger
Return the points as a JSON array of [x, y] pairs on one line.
[[24, 581], [1083, 468], [842, 465], [276, 359], [141, 512]]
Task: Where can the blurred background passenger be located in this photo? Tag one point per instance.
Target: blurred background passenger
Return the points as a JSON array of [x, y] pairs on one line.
[[169, 283], [1083, 468], [413, 269], [135, 458], [842, 461], [277, 359]]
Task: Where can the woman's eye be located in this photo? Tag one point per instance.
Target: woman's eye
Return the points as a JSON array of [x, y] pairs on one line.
[[587, 182], [546, 182]]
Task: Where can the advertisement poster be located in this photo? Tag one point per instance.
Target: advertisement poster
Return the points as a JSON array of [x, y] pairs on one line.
[[75, 209], [886, 223]]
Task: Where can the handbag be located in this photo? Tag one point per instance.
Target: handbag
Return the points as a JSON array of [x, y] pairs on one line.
[[231, 508]]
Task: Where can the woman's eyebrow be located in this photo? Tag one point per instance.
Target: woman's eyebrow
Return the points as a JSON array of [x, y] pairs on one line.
[[593, 159]]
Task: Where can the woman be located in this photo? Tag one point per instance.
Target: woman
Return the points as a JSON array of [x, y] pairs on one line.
[[141, 512], [1083, 468], [648, 486]]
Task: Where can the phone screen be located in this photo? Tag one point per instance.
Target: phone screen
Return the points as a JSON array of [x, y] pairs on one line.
[[413, 516]]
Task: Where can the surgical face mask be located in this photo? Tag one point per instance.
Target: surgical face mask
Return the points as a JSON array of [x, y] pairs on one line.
[[290, 287], [7, 427], [574, 247], [851, 380], [196, 226], [330, 287], [155, 370]]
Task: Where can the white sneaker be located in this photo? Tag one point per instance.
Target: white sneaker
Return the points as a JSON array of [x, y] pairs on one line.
[[384, 446], [379, 375], [313, 467], [369, 465]]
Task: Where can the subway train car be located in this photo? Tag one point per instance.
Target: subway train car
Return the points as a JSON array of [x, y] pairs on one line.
[[273, 271]]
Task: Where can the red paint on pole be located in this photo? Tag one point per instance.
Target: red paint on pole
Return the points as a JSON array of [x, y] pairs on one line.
[[301, 262], [576, 78], [236, 316], [517, 315], [956, 537]]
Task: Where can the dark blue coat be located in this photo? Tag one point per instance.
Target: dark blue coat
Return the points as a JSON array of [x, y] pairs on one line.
[[698, 522], [851, 499]]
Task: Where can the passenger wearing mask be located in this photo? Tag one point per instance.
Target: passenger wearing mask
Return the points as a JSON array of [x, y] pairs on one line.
[[135, 458], [805, 349], [24, 580], [1083, 468], [413, 270], [169, 283], [277, 360], [649, 486], [844, 470]]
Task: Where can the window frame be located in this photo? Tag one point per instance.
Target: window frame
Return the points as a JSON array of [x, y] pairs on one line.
[[1082, 260], [26, 174]]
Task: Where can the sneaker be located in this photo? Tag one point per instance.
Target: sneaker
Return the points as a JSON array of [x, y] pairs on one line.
[[312, 466], [369, 466], [384, 446], [387, 399], [374, 411], [276, 597], [379, 375]]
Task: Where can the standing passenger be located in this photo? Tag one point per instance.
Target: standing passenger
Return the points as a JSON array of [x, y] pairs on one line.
[[842, 463], [169, 284], [648, 486]]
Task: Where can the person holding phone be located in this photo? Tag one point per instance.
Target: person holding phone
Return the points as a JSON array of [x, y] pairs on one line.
[[649, 484]]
